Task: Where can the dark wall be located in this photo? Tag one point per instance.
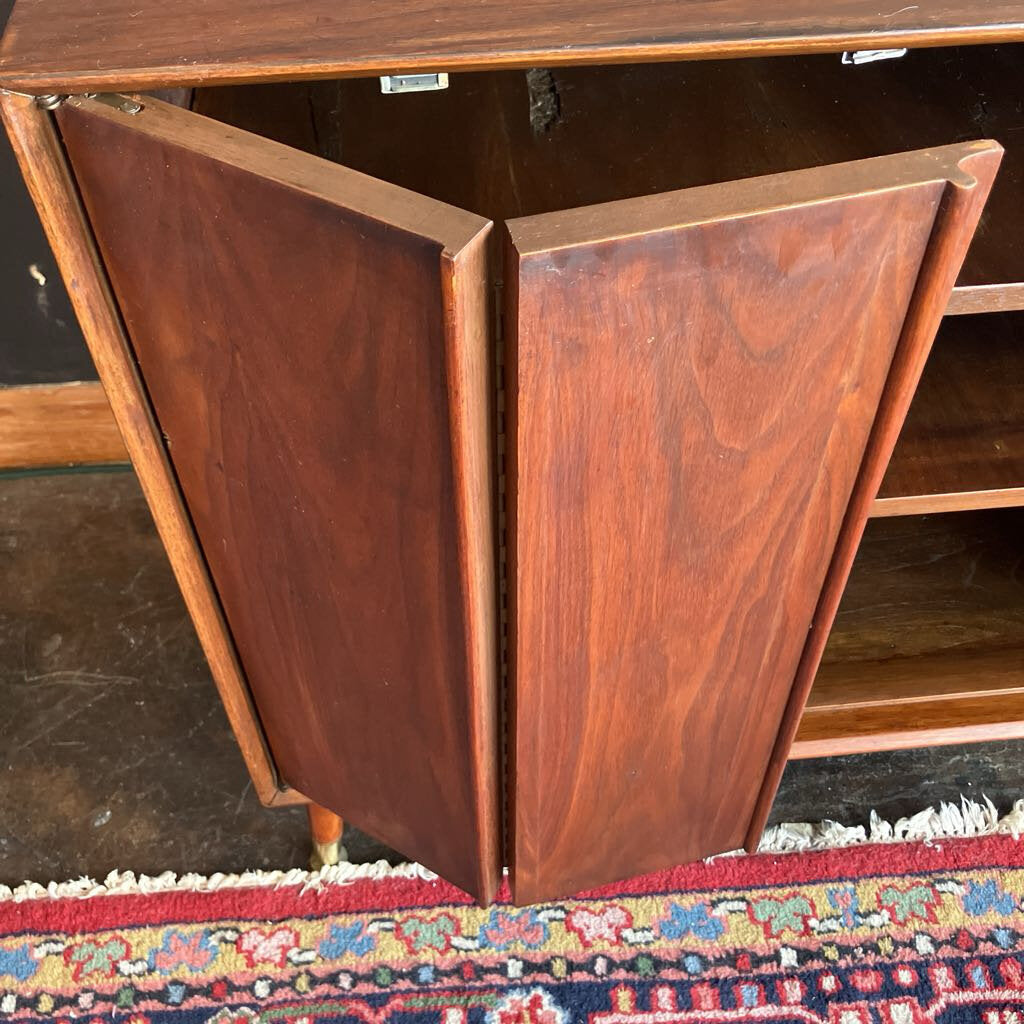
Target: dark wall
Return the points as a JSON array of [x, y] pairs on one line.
[[39, 337]]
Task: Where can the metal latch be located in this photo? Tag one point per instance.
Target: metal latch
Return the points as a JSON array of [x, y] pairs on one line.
[[870, 56], [413, 83]]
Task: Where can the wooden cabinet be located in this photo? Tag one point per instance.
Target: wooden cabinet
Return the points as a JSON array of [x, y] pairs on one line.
[[512, 450]]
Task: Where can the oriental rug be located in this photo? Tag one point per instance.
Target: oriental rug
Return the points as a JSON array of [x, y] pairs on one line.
[[894, 932]]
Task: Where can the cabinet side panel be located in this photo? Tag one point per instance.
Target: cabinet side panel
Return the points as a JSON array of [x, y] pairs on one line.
[[298, 355], [692, 407]]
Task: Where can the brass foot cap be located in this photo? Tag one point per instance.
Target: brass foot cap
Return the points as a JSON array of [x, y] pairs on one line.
[[327, 855]]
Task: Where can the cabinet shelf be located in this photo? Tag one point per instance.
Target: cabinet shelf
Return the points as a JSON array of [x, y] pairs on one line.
[[962, 446], [508, 144], [928, 646]]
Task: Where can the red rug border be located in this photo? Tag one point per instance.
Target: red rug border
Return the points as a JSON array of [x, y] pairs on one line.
[[265, 903]]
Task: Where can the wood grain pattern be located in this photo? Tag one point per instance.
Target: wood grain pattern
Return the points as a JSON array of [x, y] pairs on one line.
[[693, 382], [897, 726], [962, 205], [314, 343], [44, 166], [113, 44], [914, 679], [57, 425], [985, 298], [928, 643], [548, 141], [962, 445]]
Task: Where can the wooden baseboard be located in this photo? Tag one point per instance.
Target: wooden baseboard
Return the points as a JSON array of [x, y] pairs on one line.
[[45, 425]]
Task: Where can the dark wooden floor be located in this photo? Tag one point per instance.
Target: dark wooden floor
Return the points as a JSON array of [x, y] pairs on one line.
[[114, 750]]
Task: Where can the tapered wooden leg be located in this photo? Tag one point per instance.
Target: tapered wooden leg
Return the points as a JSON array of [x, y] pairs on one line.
[[325, 827]]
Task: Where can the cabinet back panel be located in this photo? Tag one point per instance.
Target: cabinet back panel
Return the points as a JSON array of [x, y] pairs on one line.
[[692, 385], [319, 369]]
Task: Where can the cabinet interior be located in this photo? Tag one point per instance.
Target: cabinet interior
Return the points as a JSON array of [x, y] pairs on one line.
[[928, 646], [962, 445], [505, 144]]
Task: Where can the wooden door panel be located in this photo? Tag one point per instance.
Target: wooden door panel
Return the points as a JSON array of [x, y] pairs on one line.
[[692, 385], [314, 344]]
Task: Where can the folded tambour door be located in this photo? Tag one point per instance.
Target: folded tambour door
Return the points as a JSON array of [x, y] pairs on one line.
[[314, 344], [703, 389]]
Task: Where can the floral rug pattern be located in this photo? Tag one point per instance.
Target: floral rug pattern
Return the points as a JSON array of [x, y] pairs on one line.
[[898, 934]]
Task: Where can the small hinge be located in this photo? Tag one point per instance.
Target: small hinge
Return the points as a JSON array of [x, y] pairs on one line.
[[870, 56], [499, 311], [52, 101], [413, 83], [112, 99], [47, 102]]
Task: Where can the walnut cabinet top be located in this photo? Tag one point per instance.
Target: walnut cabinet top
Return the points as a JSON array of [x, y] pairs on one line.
[[54, 46]]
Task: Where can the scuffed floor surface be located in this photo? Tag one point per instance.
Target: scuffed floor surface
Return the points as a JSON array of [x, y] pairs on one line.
[[114, 749]]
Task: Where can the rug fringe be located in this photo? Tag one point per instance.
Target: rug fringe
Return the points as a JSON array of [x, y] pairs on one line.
[[946, 822], [120, 883]]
